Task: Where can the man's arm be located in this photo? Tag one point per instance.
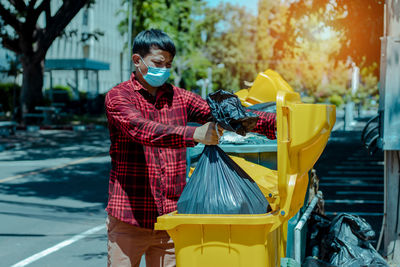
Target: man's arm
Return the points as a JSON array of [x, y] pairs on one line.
[[199, 111], [266, 124], [130, 121], [197, 108]]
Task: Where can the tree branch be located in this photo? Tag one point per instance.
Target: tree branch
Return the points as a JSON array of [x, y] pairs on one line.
[[48, 14], [33, 14], [32, 4], [10, 43], [9, 18], [57, 23], [44, 6], [19, 5]]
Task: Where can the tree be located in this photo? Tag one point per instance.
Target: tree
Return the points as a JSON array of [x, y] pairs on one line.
[[21, 33], [228, 42], [310, 61], [312, 44], [221, 38], [361, 21], [177, 19], [273, 33], [13, 71], [360, 24]]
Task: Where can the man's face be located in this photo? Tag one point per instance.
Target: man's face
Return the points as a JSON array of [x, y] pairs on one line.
[[155, 58]]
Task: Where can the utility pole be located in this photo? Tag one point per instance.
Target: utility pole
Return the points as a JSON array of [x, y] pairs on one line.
[[349, 108], [209, 78], [390, 124], [130, 11]]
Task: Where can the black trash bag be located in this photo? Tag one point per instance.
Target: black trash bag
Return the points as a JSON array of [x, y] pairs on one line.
[[347, 243], [266, 107], [318, 227], [227, 110], [313, 262], [219, 186]]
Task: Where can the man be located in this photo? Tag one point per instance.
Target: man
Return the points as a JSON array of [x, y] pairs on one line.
[[149, 134]]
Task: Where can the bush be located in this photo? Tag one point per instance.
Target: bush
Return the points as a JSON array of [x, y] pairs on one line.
[[61, 93], [308, 99], [337, 100], [7, 95]]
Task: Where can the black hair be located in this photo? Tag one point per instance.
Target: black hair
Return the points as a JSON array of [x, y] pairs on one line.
[[153, 37]]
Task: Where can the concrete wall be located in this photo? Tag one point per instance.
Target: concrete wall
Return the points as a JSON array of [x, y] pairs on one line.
[[391, 68]]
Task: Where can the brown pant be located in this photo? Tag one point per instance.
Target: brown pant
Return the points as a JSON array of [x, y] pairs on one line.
[[127, 244]]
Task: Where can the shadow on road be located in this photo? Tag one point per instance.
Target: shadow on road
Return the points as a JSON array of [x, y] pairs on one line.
[[50, 144], [87, 182]]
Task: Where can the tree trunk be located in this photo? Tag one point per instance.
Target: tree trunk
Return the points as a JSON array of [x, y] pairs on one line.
[[32, 84]]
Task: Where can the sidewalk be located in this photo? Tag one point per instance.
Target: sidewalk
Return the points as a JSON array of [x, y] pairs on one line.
[[25, 138]]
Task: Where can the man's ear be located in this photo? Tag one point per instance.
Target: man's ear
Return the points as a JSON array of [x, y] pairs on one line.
[[136, 60]]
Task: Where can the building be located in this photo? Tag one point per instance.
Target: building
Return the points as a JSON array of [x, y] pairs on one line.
[[102, 17]]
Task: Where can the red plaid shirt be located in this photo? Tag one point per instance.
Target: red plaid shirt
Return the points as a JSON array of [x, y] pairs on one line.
[[149, 136]]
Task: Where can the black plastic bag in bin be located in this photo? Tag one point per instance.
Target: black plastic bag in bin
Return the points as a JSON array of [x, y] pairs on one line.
[[227, 110], [219, 186], [348, 243]]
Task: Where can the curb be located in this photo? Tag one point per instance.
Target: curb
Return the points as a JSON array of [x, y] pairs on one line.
[[78, 127]]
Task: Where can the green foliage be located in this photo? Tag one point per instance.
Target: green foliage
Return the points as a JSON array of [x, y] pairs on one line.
[[299, 51], [272, 33], [7, 95], [178, 19], [83, 95], [59, 87], [368, 88], [61, 93], [302, 43], [337, 100], [298, 39], [360, 21], [228, 43]]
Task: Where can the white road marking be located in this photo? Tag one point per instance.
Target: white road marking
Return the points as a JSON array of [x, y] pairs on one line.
[[59, 246]]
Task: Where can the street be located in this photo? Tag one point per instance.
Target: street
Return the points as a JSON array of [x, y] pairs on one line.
[[53, 191]]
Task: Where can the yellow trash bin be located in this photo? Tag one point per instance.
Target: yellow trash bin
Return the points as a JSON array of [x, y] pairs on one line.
[[264, 88], [256, 240]]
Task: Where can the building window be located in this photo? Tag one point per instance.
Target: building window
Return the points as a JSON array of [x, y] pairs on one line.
[[86, 49], [85, 20]]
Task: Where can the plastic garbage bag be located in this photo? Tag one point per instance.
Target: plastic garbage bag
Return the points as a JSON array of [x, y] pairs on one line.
[[219, 186], [318, 227], [266, 107], [347, 243], [227, 110], [313, 262], [251, 138]]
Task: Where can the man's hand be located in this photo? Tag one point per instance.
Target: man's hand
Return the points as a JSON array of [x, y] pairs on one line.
[[207, 134]]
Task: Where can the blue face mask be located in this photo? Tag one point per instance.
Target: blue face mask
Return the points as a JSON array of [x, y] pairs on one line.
[[155, 76]]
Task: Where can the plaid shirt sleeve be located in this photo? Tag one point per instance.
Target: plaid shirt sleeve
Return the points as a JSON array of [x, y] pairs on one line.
[[197, 108], [124, 114], [266, 124]]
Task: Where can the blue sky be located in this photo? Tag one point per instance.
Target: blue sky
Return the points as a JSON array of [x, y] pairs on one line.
[[251, 5]]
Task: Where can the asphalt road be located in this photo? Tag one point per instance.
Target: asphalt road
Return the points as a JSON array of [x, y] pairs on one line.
[[53, 191]]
